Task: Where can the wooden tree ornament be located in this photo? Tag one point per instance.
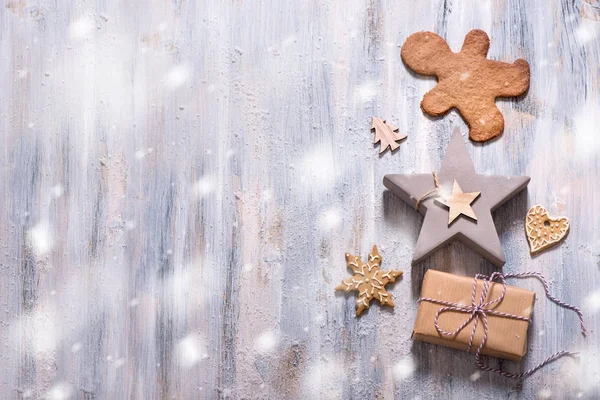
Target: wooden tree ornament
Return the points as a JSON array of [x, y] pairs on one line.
[[385, 133]]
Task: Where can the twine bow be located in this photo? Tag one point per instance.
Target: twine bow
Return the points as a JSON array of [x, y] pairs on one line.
[[482, 309]]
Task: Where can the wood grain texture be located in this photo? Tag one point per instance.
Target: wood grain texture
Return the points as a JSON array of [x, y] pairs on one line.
[[182, 179]]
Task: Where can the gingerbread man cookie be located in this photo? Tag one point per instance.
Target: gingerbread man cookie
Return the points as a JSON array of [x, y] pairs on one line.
[[467, 80]]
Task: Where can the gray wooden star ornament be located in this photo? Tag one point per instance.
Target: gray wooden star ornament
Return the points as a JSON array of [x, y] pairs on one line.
[[436, 232]]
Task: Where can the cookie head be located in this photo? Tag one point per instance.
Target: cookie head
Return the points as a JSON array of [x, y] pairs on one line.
[[421, 52]]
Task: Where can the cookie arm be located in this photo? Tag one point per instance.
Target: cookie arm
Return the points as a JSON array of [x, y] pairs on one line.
[[512, 79]]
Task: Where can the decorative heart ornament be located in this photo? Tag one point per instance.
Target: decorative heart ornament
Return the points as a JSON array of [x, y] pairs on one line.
[[544, 231]]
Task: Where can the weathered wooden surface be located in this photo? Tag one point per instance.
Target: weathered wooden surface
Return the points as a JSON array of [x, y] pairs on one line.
[[182, 179]]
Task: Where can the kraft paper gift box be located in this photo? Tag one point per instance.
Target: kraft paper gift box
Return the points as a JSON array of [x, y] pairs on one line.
[[506, 337]]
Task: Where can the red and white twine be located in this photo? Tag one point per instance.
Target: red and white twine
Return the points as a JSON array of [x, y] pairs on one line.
[[482, 310]]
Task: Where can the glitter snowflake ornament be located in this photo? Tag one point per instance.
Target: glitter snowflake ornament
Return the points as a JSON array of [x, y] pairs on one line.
[[368, 280]]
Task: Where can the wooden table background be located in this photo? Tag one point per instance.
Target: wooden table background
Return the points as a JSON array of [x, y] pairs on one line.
[[182, 179]]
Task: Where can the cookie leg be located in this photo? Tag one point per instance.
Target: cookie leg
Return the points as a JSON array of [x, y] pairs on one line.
[[485, 122], [436, 102]]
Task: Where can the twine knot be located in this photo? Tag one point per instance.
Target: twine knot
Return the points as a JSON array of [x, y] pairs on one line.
[[432, 191]]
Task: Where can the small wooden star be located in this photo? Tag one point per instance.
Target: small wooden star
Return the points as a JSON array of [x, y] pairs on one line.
[[368, 280], [459, 203]]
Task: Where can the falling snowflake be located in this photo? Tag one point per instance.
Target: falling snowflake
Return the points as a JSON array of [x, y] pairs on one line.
[[318, 171], [190, 351], [266, 342], [366, 91], [40, 238], [545, 394], [177, 76], [404, 368], [475, 376], [370, 283], [81, 27], [592, 301], [60, 391], [57, 191], [205, 185], [330, 219]]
